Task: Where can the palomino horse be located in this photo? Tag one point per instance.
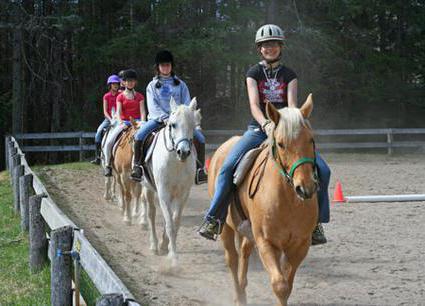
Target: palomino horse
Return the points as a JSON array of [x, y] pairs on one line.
[[121, 165], [278, 197], [173, 167]]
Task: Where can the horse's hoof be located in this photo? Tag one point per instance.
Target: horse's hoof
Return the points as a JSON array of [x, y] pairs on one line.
[[107, 198], [154, 250], [144, 226], [127, 221]]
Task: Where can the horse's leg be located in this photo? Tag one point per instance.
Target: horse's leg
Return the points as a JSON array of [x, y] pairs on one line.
[[165, 202], [151, 211], [107, 195], [143, 208], [231, 255], [270, 256], [292, 260], [245, 251], [126, 198]]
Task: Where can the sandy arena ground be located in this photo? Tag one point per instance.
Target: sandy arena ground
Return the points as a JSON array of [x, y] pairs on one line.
[[375, 254]]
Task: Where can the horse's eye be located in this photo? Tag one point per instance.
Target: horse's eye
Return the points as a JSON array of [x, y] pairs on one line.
[[281, 145], [173, 125]]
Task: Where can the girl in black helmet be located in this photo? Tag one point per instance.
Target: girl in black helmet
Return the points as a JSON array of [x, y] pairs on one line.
[[158, 93], [130, 104]]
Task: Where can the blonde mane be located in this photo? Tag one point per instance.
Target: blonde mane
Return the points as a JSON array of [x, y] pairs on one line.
[[290, 124]]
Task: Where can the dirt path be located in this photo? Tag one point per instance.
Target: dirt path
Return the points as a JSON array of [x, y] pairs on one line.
[[375, 254]]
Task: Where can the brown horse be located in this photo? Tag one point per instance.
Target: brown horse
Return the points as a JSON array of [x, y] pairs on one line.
[[121, 165], [278, 197]]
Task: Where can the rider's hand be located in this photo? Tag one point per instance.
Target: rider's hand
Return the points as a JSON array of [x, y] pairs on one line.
[[268, 127]]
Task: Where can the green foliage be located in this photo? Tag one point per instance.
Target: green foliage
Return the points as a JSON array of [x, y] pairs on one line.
[[19, 286]]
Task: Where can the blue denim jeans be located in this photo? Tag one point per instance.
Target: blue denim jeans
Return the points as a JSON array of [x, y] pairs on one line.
[[149, 126], [98, 137], [224, 186]]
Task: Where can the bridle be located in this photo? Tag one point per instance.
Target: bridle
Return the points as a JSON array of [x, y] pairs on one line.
[[174, 144], [289, 176]]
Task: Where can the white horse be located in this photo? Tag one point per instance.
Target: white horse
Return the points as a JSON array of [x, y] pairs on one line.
[[173, 167]]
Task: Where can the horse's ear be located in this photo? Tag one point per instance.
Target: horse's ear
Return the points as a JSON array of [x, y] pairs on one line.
[[272, 113], [173, 104], [193, 104], [133, 122], [307, 107]]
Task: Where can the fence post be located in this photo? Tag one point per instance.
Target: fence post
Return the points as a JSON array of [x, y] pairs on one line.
[[112, 299], [81, 142], [12, 152], [61, 263], [6, 152], [390, 141], [25, 188], [37, 235], [18, 171]]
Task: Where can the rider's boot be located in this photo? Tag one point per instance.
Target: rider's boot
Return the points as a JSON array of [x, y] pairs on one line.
[[107, 171], [96, 160], [210, 229], [318, 235], [137, 171], [201, 175]]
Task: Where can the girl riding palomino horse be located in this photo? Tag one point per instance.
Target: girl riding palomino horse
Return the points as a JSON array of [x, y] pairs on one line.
[[158, 93], [130, 104], [267, 81], [109, 103]]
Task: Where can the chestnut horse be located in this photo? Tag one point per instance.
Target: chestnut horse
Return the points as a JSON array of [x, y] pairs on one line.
[[121, 165], [283, 211]]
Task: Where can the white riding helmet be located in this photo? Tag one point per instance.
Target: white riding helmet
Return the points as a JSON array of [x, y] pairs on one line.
[[269, 32]]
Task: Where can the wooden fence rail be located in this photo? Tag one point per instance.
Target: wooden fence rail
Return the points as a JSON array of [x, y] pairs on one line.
[[387, 141], [102, 276]]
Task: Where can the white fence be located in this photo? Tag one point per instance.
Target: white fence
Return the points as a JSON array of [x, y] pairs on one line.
[[102, 276], [353, 139]]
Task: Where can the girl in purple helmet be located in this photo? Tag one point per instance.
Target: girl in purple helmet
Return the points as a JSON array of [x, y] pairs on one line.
[[109, 103]]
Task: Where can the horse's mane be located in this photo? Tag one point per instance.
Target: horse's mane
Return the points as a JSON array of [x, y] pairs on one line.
[[291, 122]]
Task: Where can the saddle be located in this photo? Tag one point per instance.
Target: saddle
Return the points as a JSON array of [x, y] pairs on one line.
[[243, 167]]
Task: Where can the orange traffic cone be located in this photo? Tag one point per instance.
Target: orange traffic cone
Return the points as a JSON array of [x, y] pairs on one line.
[[338, 195], [207, 164]]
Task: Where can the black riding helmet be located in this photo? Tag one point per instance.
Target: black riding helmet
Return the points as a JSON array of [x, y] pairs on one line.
[[129, 74], [164, 56]]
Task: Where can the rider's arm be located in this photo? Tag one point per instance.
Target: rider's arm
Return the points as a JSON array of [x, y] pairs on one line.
[[154, 108], [292, 93], [142, 109], [254, 101], [105, 109], [185, 95], [119, 111]]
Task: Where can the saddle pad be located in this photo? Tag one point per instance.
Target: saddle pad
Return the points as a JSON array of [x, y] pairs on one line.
[[245, 165], [152, 145], [117, 141]]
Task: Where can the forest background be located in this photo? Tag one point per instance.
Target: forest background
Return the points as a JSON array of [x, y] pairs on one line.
[[363, 60]]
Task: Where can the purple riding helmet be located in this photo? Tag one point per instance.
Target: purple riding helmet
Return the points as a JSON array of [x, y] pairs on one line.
[[113, 79]]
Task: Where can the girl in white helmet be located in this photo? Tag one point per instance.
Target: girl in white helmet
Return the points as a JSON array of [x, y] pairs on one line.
[[267, 81]]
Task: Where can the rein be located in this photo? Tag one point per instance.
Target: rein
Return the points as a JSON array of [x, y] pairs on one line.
[[289, 176], [173, 143]]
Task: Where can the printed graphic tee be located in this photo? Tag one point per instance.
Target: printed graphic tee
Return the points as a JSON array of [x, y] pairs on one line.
[[272, 85]]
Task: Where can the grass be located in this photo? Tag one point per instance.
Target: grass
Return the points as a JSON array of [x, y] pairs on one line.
[[18, 285]]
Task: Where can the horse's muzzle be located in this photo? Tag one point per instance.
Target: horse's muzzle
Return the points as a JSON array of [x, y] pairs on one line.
[[182, 154], [306, 192]]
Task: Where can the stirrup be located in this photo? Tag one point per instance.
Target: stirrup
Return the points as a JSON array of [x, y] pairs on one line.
[[107, 171], [201, 176], [137, 173]]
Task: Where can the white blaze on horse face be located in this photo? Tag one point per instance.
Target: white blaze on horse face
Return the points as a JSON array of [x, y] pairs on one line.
[[182, 123]]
